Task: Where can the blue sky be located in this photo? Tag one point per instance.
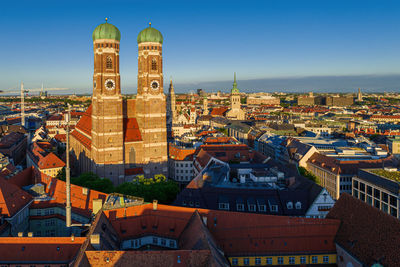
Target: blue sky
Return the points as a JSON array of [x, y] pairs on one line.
[[206, 41]]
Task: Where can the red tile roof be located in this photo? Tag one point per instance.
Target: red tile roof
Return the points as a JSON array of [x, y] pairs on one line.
[[82, 198], [61, 138], [131, 130], [82, 139], [12, 198], [85, 122], [177, 153], [44, 159], [39, 249], [366, 232], [253, 234], [220, 111]]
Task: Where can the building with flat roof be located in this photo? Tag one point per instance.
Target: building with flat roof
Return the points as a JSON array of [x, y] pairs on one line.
[[379, 188]]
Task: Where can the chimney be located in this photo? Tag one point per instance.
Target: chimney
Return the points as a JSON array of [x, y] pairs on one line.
[[30, 234], [155, 204], [97, 205], [95, 241], [72, 237], [20, 234]]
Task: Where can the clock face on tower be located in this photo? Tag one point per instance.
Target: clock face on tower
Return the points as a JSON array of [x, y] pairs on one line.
[[109, 84], [154, 85]]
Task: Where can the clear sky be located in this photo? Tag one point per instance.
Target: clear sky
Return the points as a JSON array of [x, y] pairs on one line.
[[206, 41]]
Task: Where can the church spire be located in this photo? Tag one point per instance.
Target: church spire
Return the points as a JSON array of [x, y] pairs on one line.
[[234, 88], [171, 87]]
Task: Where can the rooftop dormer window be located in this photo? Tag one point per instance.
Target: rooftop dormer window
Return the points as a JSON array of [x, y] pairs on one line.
[[289, 205], [298, 205]]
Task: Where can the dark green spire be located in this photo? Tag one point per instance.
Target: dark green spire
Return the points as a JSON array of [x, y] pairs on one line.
[[234, 89]]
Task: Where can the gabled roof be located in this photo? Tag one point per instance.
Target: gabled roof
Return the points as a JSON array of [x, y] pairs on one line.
[[178, 153], [220, 111], [85, 122], [12, 198], [39, 249], [367, 233], [131, 130]]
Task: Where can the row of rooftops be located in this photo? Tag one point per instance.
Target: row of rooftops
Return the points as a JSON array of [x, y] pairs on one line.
[[202, 235]]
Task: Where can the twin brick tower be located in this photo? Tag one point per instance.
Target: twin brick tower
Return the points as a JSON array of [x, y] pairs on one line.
[[118, 137]]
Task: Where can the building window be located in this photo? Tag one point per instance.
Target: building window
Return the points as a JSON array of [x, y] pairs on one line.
[[252, 207], [289, 205], [377, 193], [274, 208], [314, 259], [246, 261], [280, 260], [326, 259], [269, 261], [172, 243], [235, 262], [385, 207], [262, 208], [155, 240], [369, 190], [109, 63], [223, 206], [154, 64], [240, 207], [291, 260], [302, 260], [385, 197], [258, 261]]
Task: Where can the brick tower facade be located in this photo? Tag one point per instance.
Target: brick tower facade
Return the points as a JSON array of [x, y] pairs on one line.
[[119, 138], [151, 101], [107, 117]]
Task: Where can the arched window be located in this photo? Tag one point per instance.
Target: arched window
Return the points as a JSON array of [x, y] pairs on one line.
[[109, 63], [154, 64]]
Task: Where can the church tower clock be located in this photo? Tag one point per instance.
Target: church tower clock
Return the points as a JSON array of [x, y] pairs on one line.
[[151, 101], [107, 110]]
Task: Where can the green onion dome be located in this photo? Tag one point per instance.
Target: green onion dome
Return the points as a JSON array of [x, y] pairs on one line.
[[150, 35], [106, 31]]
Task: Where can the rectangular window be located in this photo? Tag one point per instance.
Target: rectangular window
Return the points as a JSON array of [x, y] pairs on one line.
[[355, 193], [355, 184], [291, 260], [223, 206], [240, 207], [369, 200], [393, 201], [258, 261], [369, 190], [235, 262], [326, 259], [362, 196], [377, 193], [252, 207], [280, 260], [269, 261], [314, 259], [246, 261], [376, 203], [385, 197], [302, 260], [385, 207], [274, 208], [163, 242], [172, 243], [155, 240], [262, 208], [362, 187]]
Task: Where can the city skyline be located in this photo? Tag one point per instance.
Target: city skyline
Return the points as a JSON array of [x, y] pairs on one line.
[[335, 45]]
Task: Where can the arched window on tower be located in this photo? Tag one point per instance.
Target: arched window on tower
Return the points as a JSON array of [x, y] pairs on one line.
[[109, 63], [154, 64]]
